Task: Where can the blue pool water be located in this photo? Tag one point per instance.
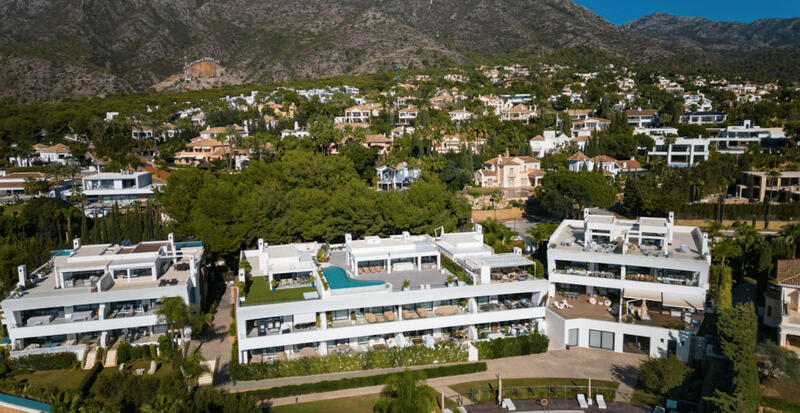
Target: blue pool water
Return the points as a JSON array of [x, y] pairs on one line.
[[337, 279]]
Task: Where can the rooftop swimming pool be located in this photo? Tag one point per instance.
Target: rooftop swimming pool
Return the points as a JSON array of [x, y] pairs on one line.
[[338, 279]]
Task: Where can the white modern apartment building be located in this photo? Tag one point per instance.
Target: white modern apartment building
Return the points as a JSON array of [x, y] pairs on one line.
[[682, 152], [782, 304], [703, 118], [93, 294], [736, 139], [627, 285], [122, 188], [378, 293]]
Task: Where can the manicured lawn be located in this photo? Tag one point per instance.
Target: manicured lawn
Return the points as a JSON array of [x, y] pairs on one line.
[[61, 379], [259, 293], [355, 404], [487, 389]]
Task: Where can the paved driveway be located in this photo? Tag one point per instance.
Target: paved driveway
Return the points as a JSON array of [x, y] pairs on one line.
[[216, 342]]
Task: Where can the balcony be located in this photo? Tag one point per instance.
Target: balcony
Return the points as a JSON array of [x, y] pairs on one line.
[[575, 305]]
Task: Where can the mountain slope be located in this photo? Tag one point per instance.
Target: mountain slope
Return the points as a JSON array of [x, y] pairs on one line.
[[56, 48], [725, 37]]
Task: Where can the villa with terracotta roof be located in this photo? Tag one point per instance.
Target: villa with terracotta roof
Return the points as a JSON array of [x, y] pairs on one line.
[[379, 141], [782, 304], [58, 153], [408, 114], [510, 172], [201, 150], [610, 166], [520, 113], [359, 113], [456, 143], [587, 126], [579, 114]]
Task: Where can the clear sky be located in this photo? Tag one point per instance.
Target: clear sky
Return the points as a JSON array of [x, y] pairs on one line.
[[623, 11]]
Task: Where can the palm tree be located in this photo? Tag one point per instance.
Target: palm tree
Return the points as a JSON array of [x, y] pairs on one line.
[[714, 230], [406, 392], [727, 249], [791, 235]]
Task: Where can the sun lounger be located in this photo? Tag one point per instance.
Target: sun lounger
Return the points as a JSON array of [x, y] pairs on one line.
[[582, 401], [423, 313], [370, 318], [601, 402], [389, 315], [379, 318]]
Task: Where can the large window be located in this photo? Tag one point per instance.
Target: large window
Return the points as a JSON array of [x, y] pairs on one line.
[[572, 337], [601, 339]]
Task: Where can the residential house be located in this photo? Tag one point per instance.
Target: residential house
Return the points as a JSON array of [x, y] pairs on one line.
[[407, 115], [460, 115], [378, 141], [381, 293], [586, 127], [610, 166], [97, 294], [759, 185], [359, 113], [736, 139], [682, 152], [455, 143], [509, 172], [397, 177], [122, 188], [496, 104], [642, 118], [518, 113], [550, 142], [782, 304], [703, 118], [58, 153], [634, 286], [579, 114]]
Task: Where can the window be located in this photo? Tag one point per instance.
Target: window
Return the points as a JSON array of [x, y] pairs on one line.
[[572, 338], [601, 339]]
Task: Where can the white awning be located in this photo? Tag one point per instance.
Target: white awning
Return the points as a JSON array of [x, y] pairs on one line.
[[305, 318], [683, 301], [642, 294]]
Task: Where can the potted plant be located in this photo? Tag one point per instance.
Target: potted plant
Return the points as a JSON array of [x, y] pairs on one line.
[[451, 279], [274, 284], [406, 285]]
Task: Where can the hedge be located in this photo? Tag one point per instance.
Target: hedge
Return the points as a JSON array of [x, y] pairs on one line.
[[744, 212], [351, 383], [88, 380], [53, 361], [456, 269], [512, 346], [780, 404], [387, 358], [126, 352]]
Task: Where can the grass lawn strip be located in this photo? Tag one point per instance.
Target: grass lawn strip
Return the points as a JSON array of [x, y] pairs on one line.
[[487, 387], [259, 293], [355, 404]]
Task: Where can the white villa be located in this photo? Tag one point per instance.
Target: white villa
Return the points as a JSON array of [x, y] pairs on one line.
[[627, 285], [93, 294], [379, 293]]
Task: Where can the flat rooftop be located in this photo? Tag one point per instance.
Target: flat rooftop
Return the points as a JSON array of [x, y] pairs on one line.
[[45, 285], [687, 242]]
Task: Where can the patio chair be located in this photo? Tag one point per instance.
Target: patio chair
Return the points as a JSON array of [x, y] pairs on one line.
[[370, 318], [423, 313], [389, 315], [601, 402], [582, 401]]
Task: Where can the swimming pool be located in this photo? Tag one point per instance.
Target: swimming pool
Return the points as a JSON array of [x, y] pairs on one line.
[[338, 279]]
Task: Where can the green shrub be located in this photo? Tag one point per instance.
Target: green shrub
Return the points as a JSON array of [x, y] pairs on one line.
[[393, 357], [349, 383], [127, 352], [513, 346], [88, 380], [232, 329], [54, 361], [660, 375], [165, 347]]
